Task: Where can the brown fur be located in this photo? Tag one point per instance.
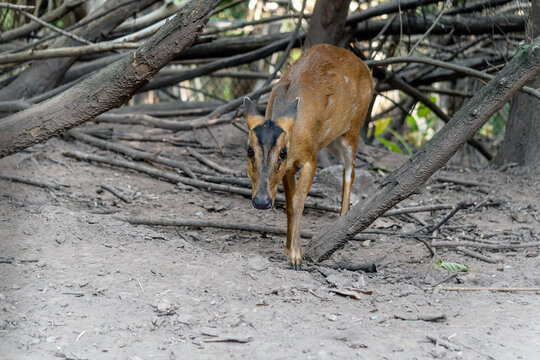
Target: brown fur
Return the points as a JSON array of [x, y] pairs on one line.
[[334, 88]]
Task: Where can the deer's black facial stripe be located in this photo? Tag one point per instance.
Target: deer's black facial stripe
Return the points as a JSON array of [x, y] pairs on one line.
[[267, 134]]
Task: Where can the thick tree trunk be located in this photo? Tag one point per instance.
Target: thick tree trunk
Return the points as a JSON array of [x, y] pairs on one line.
[[521, 143], [410, 176], [47, 74], [327, 23], [109, 88]]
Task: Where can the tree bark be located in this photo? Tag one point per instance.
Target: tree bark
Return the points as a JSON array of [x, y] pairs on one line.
[[521, 142], [109, 88], [327, 22], [47, 74], [401, 183]]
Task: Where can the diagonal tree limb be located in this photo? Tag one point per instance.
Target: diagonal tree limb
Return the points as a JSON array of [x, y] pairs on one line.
[[109, 88], [401, 183]]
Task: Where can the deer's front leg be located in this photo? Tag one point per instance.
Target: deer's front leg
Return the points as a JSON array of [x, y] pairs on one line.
[[289, 185], [304, 184]]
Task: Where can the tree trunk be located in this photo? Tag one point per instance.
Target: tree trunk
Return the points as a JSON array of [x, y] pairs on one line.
[[401, 183], [521, 143], [327, 23], [47, 74], [109, 88]]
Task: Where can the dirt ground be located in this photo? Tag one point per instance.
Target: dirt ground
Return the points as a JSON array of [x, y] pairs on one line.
[[75, 283]]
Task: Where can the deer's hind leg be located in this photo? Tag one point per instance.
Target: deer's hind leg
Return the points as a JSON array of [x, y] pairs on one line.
[[344, 148]]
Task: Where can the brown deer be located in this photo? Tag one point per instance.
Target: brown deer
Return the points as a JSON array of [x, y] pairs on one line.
[[321, 101]]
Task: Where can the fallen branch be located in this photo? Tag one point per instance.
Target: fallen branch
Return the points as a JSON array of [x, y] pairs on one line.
[[484, 246], [476, 255], [445, 178], [401, 183], [490, 289], [228, 225], [116, 193], [35, 182], [235, 339], [422, 317], [462, 205], [147, 120], [349, 293], [203, 159], [132, 153]]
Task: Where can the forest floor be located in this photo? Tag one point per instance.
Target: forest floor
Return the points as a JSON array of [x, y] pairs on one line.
[[76, 283]]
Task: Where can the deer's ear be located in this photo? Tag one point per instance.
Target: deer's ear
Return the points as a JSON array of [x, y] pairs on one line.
[[292, 110], [251, 114], [287, 120]]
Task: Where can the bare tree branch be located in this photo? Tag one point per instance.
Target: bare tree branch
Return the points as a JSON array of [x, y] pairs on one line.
[[74, 51], [443, 64], [53, 28]]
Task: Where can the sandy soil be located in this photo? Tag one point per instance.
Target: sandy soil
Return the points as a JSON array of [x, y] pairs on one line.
[[76, 283]]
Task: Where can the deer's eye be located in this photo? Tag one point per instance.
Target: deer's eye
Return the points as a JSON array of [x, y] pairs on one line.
[[283, 154], [250, 152]]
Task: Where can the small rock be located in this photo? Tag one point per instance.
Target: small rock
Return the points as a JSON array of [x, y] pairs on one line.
[[92, 220], [366, 243], [163, 305], [332, 317], [408, 228]]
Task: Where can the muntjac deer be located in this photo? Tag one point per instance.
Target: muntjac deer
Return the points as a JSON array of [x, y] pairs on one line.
[[321, 101]]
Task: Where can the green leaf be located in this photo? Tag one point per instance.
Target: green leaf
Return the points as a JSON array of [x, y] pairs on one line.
[[423, 110], [452, 266], [390, 145], [412, 122]]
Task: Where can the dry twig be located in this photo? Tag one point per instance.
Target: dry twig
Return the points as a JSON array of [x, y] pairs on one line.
[[116, 193], [203, 159], [35, 182], [211, 223]]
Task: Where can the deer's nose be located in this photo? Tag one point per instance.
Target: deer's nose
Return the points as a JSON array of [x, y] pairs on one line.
[[262, 202]]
